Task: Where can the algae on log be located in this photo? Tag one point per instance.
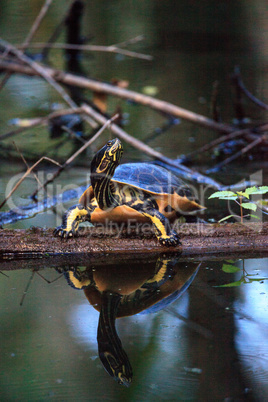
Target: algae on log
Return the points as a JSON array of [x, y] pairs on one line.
[[197, 240]]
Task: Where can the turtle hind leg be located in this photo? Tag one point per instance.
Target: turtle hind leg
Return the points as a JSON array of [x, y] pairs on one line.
[[166, 236], [71, 220]]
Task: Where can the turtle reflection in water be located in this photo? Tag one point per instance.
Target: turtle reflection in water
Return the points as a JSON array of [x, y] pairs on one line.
[[124, 290], [139, 192]]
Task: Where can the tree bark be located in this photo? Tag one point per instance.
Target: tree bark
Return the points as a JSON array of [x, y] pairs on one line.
[[201, 241]]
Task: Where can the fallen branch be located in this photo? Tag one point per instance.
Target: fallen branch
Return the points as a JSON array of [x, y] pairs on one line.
[[30, 210], [74, 156], [228, 137], [238, 82], [36, 24], [30, 35], [42, 71], [93, 85], [236, 155], [198, 240], [41, 120], [185, 172], [29, 170]]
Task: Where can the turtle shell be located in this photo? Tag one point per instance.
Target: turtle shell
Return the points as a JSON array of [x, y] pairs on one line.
[[152, 178]]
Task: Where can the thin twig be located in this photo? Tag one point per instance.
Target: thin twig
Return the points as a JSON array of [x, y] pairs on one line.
[[73, 134], [44, 72], [224, 138], [36, 24], [72, 158], [25, 162], [56, 32], [239, 82], [215, 111], [92, 48], [5, 79], [30, 35], [236, 155], [130, 41], [41, 71], [131, 140], [27, 288], [25, 175], [48, 281]]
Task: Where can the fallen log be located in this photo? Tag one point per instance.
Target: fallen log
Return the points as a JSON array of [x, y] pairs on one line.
[[61, 77], [199, 241]]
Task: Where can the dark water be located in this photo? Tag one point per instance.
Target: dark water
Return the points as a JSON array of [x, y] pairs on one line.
[[210, 344]]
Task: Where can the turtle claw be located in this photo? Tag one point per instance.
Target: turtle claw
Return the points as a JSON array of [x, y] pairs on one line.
[[64, 234], [170, 240]]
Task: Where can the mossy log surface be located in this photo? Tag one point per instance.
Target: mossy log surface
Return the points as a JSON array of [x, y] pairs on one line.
[[199, 241]]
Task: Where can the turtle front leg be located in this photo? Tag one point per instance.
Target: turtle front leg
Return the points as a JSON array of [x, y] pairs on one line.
[[163, 231], [71, 220]]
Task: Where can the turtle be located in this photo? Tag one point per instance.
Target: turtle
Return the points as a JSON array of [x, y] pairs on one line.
[[118, 290], [140, 192]]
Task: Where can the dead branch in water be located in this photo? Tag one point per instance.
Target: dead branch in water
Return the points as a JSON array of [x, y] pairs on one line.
[[238, 82], [97, 86], [30, 35], [40, 121], [237, 154], [42, 71], [224, 138], [36, 24], [185, 172], [26, 174], [72, 158]]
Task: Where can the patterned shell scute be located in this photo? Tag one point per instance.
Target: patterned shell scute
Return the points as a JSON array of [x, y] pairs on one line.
[[149, 177]]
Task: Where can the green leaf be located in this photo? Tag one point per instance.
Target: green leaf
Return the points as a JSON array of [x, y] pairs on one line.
[[226, 217], [257, 279], [243, 194], [254, 216], [263, 202], [223, 195], [251, 190], [249, 205], [257, 190], [230, 269], [230, 285], [263, 190]]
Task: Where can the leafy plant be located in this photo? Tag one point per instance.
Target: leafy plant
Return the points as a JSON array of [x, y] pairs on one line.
[[238, 197], [245, 277]]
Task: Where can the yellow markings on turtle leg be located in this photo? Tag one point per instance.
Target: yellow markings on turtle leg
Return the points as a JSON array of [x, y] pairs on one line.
[[158, 277], [76, 282], [75, 216], [158, 225]]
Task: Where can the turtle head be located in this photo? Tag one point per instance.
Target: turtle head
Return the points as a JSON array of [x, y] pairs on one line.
[[119, 369], [102, 170], [107, 158]]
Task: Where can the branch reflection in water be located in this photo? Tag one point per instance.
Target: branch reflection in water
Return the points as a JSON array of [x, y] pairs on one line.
[[127, 289]]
